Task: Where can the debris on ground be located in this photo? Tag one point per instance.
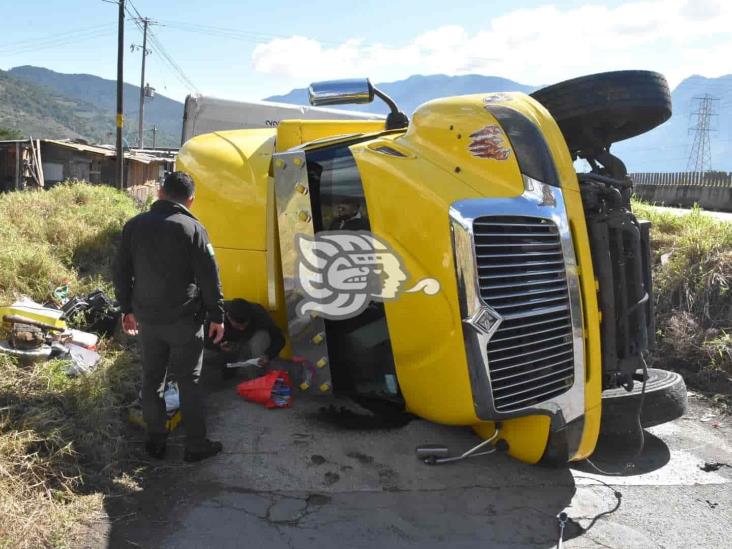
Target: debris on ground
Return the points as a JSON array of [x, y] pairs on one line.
[[247, 369], [94, 312], [710, 467], [383, 418], [273, 390], [30, 330], [83, 360], [26, 356], [171, 396], [27, 308], [35, 332]]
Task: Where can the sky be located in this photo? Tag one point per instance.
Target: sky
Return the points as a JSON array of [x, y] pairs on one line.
[[244, 49]]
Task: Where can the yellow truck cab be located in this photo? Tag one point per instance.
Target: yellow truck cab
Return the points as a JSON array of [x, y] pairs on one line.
[[454, 265]]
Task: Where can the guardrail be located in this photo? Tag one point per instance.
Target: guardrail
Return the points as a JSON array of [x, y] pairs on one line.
[[711, 190], [699, 179]]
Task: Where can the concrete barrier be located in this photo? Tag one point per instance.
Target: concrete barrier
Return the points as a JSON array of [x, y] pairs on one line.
[[711, 190]]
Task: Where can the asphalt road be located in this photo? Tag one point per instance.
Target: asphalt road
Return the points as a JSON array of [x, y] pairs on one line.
[[290, 479]]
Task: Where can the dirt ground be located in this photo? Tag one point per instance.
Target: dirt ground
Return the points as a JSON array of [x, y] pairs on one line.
[[290, 479]]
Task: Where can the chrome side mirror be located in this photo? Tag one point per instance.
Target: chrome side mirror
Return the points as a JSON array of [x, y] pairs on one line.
[[359, 90], [341, 92]]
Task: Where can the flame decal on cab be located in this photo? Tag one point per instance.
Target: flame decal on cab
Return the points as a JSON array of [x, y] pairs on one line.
[[489, 142]]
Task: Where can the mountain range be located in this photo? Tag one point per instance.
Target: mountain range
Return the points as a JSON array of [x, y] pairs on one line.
[[45, 103], [415, 90], [43, 112], [667, 147], [81, 106]]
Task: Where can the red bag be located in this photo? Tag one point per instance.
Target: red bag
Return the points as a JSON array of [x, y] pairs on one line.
[[259, 390]]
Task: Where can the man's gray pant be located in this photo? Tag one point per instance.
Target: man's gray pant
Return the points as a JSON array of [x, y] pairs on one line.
[[176, 348], [256, 346]]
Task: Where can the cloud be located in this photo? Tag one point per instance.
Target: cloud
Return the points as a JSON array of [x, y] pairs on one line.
[[531, 45], [701, 10]]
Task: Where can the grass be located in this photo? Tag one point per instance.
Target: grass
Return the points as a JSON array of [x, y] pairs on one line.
[[692, 277], [61, 439], [61, 236]]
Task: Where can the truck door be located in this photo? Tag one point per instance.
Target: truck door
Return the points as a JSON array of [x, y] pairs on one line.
[[320, 198]]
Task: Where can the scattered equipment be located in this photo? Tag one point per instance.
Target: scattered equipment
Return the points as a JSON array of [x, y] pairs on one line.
[[273, 389]]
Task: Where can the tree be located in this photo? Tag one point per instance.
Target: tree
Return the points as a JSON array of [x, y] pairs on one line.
[[10, 133]]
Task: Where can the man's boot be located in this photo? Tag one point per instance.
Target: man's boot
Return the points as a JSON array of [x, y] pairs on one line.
[[209, 449], [155, 447]]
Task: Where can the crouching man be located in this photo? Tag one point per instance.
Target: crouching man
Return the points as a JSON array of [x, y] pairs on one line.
[[249, 332]]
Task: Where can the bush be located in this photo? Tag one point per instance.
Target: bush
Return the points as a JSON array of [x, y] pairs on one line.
[[692, 276]]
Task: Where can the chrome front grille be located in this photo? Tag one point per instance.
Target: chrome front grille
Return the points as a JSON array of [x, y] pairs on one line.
[[521, 275]]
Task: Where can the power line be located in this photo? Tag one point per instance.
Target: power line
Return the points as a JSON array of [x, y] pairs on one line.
[[33, 41], [700, 156], [56, 41], [158, 48], [222, 31]]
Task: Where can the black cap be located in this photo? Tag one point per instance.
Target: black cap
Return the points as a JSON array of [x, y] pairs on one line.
[[179, 186]]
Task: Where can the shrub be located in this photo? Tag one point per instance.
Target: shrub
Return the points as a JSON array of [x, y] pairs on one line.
[[692, 277]]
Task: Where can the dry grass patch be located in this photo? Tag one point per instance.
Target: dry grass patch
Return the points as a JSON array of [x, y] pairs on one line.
[[66, 234], [692, 277], [61, 440]]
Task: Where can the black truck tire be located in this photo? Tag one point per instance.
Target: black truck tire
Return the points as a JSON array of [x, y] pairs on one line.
[[597, 110], [665, 400]]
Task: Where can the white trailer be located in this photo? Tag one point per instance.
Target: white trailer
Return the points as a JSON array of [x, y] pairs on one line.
[[204, 114]]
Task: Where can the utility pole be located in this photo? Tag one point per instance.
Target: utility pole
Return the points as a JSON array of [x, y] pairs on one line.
[[155, 136], [700, 155], [120, 94], [140, 128]]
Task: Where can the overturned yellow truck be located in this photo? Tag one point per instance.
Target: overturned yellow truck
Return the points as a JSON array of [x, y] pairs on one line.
[[454, 265]]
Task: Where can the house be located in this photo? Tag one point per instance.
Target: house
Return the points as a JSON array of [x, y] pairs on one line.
[[42, 163]]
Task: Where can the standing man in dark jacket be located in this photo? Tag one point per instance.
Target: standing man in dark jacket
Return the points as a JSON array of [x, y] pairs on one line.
[[166, 280]]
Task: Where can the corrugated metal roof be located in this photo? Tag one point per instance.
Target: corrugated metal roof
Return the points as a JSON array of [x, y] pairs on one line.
[[108, 151], [104, 150]]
